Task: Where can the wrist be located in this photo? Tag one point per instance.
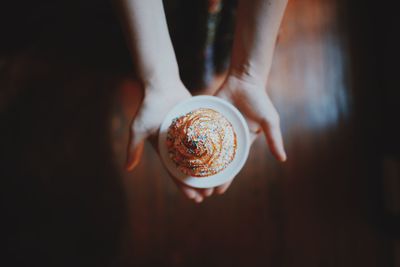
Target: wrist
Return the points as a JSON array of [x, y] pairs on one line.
[[164, 87], [246, 74], [160, 80]]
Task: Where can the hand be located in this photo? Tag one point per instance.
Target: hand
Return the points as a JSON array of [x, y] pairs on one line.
[[253, 102], [157, 101], [250, 97]]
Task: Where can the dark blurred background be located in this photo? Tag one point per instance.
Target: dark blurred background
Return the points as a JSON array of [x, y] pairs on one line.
[[67, 94]]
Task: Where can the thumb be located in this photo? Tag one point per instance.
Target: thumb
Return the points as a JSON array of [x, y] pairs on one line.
[[135, 148], [273, 134]]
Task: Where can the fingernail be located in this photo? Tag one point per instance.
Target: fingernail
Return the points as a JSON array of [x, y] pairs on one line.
[[284, 157], [190, 194], [132, 162], [221, 191], [198, 199], [130, 165], [207, 192], [134, 158]]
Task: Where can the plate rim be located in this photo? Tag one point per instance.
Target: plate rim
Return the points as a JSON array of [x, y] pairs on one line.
[[208, 181]]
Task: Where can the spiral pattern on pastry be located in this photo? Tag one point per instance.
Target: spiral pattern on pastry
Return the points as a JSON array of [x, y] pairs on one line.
[[201, 143]]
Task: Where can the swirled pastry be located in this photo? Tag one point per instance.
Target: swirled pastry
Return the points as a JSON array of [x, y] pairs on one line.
[[201, 143]]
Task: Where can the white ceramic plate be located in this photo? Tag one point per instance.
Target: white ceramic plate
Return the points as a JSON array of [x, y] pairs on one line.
[[239, 125]]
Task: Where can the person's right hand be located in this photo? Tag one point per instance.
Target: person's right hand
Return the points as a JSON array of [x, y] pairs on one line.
[[157, 101]]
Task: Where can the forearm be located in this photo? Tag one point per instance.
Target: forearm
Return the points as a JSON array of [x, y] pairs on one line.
[[146, 31], [256, 32]]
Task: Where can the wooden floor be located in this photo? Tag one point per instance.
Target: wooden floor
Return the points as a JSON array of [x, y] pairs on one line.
[[68, 201]]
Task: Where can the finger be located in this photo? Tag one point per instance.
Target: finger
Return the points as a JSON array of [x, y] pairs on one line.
[[222, 188], [199, 198], [206, 192], [135, 149], [188, 191], [274, 138]]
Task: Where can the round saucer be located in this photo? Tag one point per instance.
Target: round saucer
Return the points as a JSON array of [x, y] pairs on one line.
[[242, 137]]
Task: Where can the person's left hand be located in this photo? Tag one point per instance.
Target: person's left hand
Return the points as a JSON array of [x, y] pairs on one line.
[[249, 96]]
